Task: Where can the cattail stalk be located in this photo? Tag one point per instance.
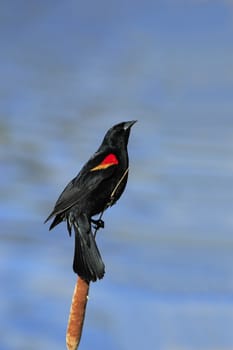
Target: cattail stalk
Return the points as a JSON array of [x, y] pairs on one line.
[[77, 314]]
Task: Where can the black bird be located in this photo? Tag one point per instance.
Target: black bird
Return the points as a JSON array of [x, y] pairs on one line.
[[99, 184]]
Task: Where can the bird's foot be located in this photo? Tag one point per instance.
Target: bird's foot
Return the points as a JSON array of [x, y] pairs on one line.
[[97, 224]]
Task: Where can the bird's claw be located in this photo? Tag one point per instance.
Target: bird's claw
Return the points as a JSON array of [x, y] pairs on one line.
[[97, 224]]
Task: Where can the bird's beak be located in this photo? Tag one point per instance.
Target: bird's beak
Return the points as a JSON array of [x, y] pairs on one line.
[[129, 124]]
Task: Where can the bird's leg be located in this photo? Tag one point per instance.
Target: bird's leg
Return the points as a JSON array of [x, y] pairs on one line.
[[97, 224]]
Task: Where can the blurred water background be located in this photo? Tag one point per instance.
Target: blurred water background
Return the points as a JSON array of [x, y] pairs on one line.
[[70, 70]]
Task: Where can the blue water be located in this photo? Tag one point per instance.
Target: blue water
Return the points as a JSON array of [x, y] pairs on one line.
[[69, 71]]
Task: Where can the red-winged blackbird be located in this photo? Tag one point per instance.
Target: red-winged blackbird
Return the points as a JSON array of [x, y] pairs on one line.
[[98, 185]]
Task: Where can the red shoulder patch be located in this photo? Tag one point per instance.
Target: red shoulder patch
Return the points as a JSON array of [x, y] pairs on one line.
[[108, 161]]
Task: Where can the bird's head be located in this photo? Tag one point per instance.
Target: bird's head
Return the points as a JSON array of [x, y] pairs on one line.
[[118, 135]]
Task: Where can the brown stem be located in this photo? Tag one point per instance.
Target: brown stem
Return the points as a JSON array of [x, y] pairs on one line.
[[77, 314]]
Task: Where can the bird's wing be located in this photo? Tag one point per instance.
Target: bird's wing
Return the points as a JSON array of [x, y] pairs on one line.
[[99, 168]]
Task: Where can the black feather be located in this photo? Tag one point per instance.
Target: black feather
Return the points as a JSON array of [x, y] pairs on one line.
[[99, 184], [87, 259]]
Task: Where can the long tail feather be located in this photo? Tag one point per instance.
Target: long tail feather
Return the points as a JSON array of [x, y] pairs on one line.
[[87, 263]]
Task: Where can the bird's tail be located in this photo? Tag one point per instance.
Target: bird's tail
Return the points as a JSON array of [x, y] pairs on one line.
[[87, 263]]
